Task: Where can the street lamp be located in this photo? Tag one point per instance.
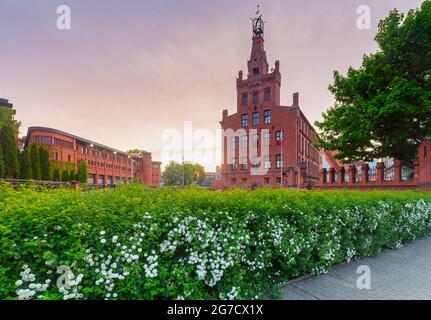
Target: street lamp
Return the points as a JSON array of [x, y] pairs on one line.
[[131, 160]]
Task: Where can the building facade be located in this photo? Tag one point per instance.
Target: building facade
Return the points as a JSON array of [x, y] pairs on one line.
[[265, 143], [106, 166]]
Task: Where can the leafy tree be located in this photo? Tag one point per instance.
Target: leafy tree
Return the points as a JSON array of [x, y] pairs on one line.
[[25, 165], [6, 119], [45, 164], [82, 172], [56, 175], [383, 109], [65, 176], [10, 152], [1, 162], [176, 174], [35, 162]]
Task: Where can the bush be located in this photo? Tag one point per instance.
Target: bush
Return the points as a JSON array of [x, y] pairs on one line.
[[139, 243]]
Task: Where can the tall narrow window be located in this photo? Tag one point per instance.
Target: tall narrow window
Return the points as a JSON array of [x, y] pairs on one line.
[[279, 136], [267, 162], [244, 163], [256, 118], [255, 97], [244, 99], [234, 143], [279, 161], [245, 120], [267, 117], [255, 71], [255, 140], [267, 138], [244, 142], [267, 94]]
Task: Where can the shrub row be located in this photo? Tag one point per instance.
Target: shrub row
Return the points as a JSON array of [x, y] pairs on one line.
[[138, 243]]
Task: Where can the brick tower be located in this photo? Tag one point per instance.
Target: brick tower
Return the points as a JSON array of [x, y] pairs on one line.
[[262, 133]]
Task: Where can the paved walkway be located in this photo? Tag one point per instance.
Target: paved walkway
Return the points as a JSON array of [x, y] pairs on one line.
[[395, 275]]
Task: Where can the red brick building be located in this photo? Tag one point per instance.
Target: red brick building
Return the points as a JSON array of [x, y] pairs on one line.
[[106, 166], [383, 174], [265, 143]]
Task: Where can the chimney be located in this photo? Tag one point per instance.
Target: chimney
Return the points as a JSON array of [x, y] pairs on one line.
[[296, 99], [277, 66], [225, 114], [240, 75]]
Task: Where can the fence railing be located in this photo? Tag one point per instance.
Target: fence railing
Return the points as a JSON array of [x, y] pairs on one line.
[[369, 175], [49, 184]]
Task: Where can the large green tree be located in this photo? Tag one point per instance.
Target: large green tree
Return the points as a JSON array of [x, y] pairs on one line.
[[383, 108], [45, 164], [10, 152], [187, 174], [25, 165], [35, 162]]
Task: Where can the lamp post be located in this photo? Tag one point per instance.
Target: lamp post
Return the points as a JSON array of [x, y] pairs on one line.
[[131, 163]]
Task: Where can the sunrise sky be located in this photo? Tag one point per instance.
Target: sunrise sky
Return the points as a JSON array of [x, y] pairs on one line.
[[130, 69]]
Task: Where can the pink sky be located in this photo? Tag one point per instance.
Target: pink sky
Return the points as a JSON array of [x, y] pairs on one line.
[[128, 70]]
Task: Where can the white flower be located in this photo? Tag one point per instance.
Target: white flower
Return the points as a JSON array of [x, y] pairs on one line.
[[103, 241]]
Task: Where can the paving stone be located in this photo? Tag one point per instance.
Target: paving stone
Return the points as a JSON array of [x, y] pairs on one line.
[[403, 274]]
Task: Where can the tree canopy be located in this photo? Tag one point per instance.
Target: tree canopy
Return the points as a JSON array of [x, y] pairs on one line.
[[383, 108], [6, 119], [175, 173]]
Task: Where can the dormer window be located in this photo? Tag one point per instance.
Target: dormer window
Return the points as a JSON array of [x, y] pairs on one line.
[[255, 71]]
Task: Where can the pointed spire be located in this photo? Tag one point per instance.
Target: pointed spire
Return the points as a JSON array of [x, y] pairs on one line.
[[258, 64]]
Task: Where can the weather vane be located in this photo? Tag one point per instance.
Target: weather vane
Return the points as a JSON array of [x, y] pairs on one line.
[[258, 24]]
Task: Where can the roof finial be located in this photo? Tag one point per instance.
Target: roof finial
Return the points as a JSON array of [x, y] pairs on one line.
[[258, 24]]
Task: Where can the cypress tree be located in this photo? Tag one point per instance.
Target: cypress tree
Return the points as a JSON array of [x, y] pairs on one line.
[[83, 172], [72, 175], [10, 152], [65, 176], [25, 165], [35, 162], [1, 162], [56, 176], [45, 164]]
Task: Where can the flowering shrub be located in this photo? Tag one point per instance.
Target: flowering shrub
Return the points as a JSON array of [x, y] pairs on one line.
[[139, 243]]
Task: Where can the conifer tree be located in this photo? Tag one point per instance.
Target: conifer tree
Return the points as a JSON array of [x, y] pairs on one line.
[[45, 164], [65, 176], [10, 152], [56, 175], [25, 165], [83, 172], [35, 162]]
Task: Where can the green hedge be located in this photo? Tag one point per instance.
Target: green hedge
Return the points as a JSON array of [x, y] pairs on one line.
[[138, 243]]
